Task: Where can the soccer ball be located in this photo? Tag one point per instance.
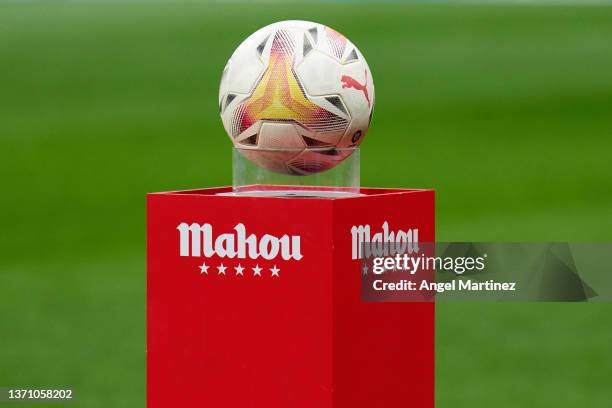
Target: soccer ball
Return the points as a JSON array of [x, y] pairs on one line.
[[295, 97]]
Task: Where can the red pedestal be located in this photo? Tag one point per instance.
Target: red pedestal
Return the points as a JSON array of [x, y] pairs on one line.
[[255, 302]]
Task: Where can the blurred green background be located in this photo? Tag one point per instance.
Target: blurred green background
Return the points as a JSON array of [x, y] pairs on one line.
[[505, 110]]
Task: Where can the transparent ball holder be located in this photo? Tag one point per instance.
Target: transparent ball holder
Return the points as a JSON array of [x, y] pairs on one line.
[[341, 180]]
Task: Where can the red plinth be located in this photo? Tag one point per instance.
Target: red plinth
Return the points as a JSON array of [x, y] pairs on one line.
[[256, 302]]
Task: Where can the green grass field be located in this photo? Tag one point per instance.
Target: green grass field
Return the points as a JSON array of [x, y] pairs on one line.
[[505, 110]]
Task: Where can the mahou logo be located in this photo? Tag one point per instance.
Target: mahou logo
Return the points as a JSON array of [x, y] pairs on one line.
[[197, 240], [382, 243]]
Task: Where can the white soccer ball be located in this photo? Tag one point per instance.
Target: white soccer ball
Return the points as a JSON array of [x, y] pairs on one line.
[[295, 97]]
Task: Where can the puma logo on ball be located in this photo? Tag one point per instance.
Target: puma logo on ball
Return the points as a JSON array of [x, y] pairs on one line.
[[350, 82]]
